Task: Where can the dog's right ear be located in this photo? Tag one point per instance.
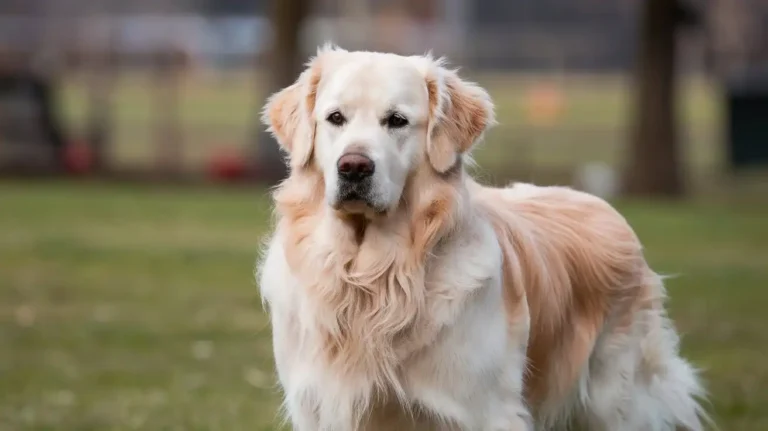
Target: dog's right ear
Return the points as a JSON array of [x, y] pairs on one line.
[[288, 115]]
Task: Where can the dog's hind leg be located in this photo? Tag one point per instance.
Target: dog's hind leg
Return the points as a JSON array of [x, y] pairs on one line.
[[637, 379]]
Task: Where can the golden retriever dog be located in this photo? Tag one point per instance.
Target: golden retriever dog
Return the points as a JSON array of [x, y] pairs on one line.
[[403, 295]]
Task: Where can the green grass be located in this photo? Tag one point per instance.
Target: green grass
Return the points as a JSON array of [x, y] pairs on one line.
[[124, 307]]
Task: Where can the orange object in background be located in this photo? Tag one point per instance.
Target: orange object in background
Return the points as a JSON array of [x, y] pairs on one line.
[[544, 104]]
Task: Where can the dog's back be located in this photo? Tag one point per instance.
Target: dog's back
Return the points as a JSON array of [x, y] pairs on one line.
[[600, 342]]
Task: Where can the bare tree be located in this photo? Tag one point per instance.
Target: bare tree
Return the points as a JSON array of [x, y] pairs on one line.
[[284, 66], [654, 165]]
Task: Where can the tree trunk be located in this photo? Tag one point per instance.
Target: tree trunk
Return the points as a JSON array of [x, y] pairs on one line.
[[285, 64], [654, 166]]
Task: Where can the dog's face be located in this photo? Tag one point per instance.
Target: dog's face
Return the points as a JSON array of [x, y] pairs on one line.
[[370, 117], [368, 120]]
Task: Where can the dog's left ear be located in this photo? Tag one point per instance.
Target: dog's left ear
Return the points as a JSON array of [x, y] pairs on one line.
[[460, 112]]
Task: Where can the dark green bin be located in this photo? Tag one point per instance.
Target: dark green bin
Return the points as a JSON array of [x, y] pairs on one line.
[[747, 121]]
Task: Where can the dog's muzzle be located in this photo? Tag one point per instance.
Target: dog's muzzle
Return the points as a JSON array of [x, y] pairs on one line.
[[355, 172]]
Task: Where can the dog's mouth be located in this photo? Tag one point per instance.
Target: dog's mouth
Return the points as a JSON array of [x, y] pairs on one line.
[[352, 195], [357, 200]]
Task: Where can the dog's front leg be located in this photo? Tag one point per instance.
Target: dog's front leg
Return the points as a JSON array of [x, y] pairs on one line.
[[472, 378], [475, 399], [508, 414], [507, 409], [301, 416]]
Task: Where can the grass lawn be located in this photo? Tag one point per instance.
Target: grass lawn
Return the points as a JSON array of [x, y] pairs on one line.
[[135, 308]]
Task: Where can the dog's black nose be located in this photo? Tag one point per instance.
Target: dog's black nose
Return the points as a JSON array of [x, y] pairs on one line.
[[355, 167]]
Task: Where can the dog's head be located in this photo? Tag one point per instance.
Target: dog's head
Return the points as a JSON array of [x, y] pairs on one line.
[[367, 121]]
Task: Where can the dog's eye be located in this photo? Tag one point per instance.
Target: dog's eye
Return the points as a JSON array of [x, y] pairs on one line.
[[336, 118], [395, 121]]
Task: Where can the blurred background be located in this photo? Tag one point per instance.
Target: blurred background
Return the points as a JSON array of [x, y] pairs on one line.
[[134, 175]]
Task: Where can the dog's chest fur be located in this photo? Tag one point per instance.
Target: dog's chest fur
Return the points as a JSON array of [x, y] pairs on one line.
[[365, 321]]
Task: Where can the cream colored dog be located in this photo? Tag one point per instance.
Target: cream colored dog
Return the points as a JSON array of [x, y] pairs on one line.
[[405, 296]]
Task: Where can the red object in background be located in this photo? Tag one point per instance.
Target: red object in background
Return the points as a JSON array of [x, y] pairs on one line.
[[78, 158], [226, 164]]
